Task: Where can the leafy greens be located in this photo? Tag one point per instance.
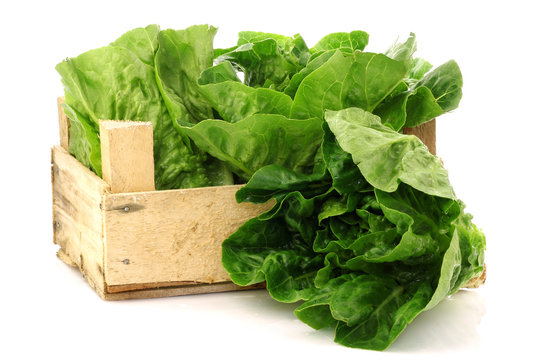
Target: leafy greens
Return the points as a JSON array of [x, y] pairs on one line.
[[365, 257]]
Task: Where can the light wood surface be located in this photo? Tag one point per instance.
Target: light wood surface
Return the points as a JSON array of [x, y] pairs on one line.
[[127, 155], [77, 216], [172, 235]]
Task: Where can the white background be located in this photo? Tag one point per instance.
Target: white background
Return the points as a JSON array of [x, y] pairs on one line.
[[489, 144]]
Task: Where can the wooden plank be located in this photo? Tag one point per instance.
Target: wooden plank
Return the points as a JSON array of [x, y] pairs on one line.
[[157, 292], [127, 155], [63, 124], [426, 132], [77, 216], [114, 289], [172, 235]]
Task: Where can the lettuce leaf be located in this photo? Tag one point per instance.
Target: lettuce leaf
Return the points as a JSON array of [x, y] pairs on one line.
[[259, 140]]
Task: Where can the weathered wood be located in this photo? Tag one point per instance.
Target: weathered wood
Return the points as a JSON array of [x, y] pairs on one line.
[[171, 236], [63, 124], [127, 155], [77, 216], [426, 132], [162, 290]]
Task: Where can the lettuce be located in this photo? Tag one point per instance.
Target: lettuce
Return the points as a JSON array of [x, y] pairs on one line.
[[365, 257]]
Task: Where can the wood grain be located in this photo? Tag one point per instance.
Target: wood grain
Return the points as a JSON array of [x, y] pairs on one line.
[[173, 235], [127, 155], [164, 290], [77, 216]]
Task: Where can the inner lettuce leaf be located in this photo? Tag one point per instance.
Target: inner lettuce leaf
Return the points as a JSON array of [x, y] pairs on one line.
[[364, 257], [259, 140], [267, 60]]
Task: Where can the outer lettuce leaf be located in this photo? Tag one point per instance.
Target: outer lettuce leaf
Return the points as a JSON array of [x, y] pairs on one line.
[[371, 78], [273, 180], [386, 158]]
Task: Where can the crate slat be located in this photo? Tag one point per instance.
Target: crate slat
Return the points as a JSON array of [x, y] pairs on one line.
[[127, 155], [172, 235]]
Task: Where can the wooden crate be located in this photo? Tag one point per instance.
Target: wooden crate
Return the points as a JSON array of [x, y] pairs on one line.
[[130, 241]]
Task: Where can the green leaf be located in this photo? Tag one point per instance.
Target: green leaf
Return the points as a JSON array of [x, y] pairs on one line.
[[346, 176], [363, 80], [386, 309], [370, 79], [217, 74], [311, 66], [267, 60], [346, 42], [235, 101], [84, 141], [419, 67], [403, 51], [438, 92], [294, 49], [142, 42], [386, 158], [180, 59], [272, 180], [321, 90], [259, 140]]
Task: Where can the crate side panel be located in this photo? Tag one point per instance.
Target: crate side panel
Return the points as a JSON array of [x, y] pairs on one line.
[[174, 235], [77, 216]]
